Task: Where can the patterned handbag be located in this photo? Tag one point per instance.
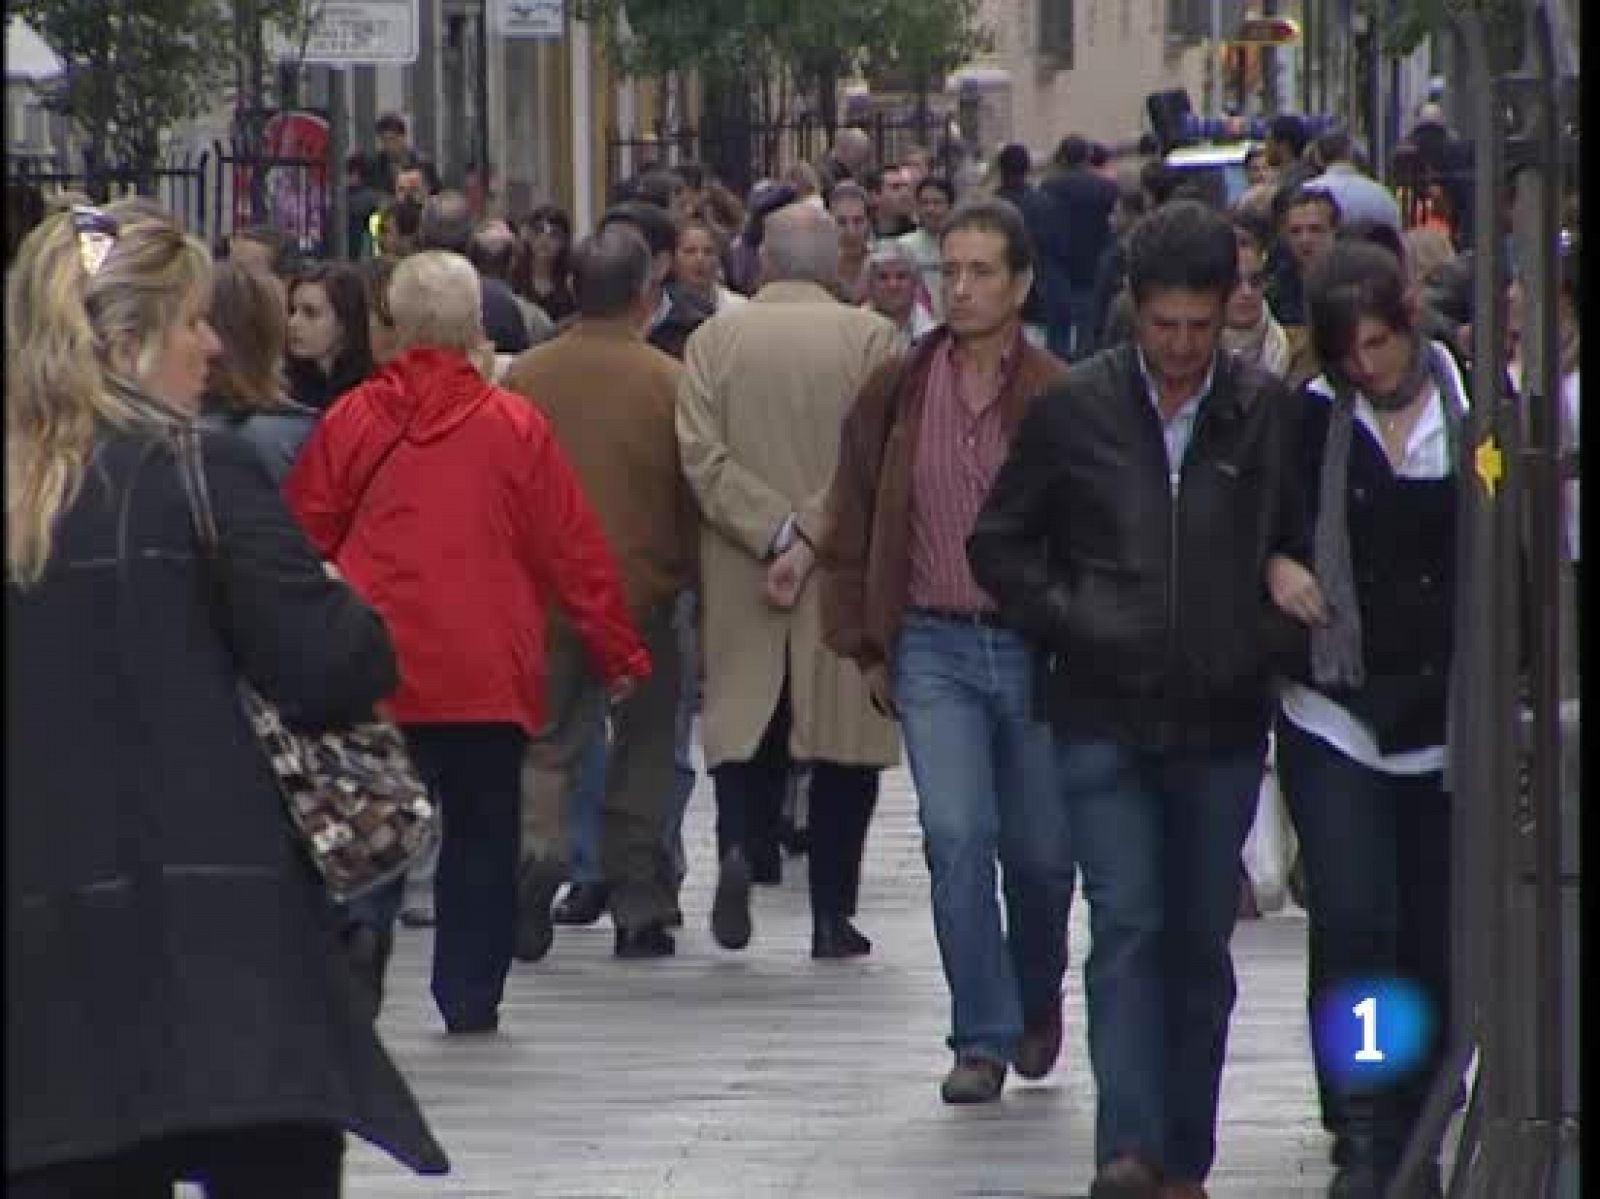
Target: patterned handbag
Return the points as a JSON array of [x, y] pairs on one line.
[[353, 795]]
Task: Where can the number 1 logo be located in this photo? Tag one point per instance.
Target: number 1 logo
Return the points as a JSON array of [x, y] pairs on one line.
[[1367, 1012]]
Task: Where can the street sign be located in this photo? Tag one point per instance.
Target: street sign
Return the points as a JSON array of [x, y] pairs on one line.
[[1267, 31], [530, 18], [344, 32]]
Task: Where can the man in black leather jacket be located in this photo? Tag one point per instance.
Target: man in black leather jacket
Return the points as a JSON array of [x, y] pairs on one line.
[[1128, 533]]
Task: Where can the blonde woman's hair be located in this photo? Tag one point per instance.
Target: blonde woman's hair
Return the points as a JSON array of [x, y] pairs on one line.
[[435, 299], [62, 387]]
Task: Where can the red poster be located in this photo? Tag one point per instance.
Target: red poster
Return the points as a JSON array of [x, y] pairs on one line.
[[294, 190]]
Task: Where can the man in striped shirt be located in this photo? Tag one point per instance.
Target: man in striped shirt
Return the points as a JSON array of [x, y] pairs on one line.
[[919, 451]]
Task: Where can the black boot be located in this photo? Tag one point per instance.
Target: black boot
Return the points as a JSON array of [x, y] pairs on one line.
[[583, 904], [650, 941], [536, 892], [836, 937]]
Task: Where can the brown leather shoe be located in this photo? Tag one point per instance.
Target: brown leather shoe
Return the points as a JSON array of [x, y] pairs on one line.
[[1041, 1044], [973, 1080], [1126, 1178], [1183, 1190]]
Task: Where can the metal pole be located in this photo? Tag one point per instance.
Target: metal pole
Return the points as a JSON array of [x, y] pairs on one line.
[[338, 239], [1214, 92], [582, 122]]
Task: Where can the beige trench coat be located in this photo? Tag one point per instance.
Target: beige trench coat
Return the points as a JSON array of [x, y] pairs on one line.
[[760, 406]]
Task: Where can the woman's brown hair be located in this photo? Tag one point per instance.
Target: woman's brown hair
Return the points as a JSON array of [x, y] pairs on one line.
[[249, 313]]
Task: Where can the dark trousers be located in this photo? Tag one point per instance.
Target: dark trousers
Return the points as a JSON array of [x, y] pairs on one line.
[[264, 1161], [641, 786], [1376, 849], [841, 798], [476, 772]]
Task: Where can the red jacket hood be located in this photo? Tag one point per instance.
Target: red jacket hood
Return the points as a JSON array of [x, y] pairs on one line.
[[427, 392]]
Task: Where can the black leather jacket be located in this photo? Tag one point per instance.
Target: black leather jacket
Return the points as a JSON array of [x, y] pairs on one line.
[[1153, 609]]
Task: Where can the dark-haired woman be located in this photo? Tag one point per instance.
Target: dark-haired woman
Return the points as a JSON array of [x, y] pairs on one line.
[[543, 275], [245, 387], [1361, 732], [329, 349]]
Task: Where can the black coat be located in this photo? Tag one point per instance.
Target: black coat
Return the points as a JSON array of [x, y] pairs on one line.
[[1402, 555], [172, 962], [1154, 610]]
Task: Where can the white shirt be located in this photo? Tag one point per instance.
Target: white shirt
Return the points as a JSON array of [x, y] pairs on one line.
[[1427, 456]]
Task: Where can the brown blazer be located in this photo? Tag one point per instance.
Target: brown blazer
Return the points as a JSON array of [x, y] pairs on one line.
[[611, 400], [865, 550]]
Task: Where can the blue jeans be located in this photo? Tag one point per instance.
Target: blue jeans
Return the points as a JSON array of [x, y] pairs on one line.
[[685, 620], [1158, 839], [583, 824], [984, 770]]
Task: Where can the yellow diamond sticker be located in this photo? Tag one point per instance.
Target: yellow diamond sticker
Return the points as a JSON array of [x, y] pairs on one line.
[[1490, 465]]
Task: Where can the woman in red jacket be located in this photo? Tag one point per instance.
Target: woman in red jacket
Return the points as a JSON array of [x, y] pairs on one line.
[[446, 503]]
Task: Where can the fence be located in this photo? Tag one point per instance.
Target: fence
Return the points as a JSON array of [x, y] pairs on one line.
[[743, 152], [215, 192]]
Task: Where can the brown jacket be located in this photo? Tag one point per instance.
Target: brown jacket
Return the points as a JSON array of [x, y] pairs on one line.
[[865, 551], [611, 400]]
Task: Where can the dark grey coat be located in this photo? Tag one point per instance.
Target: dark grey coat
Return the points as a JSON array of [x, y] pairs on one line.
[[171, 960]]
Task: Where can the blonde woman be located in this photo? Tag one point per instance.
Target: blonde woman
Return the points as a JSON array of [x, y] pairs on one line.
[[179, 1006]]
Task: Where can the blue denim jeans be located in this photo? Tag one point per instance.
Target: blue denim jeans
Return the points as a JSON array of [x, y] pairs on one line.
[[685, 619], [583, 822], [984, 770], [1158, 839], [1376, 849]]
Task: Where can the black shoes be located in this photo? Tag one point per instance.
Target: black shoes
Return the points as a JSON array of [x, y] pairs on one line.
[[838, 938], [536, 891], [730, 908], [651, 941], [973, 1079], [477, 1024], [583, 904]]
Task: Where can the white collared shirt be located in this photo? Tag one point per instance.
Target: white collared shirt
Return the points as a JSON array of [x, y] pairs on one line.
[[1178, 432]]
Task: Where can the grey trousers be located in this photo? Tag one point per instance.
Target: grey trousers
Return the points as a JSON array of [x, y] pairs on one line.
[[641, 771]]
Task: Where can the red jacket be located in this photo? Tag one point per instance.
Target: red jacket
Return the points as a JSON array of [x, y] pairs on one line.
[[447, 504]]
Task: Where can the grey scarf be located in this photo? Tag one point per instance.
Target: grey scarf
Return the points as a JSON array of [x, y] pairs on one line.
[[1337, 656]]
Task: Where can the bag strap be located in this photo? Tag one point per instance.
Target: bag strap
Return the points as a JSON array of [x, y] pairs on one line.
[[366, 486]]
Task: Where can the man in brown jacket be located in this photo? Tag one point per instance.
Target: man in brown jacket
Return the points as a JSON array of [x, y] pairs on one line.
[[610, 398], [919, 451]]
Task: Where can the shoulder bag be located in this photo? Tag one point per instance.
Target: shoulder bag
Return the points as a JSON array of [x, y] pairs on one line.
[[353, 795]]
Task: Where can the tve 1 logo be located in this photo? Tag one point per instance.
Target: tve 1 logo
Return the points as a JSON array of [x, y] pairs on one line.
[[1373, 1032]]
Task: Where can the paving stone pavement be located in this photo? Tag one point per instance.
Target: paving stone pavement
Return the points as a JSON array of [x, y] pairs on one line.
[[716, 1075]]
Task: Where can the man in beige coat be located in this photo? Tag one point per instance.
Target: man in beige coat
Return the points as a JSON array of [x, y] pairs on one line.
[[763, 397]]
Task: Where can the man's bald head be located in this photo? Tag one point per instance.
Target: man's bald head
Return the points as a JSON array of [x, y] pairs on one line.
[[801, 245], [446, 223], [852, 147], [493, 249]]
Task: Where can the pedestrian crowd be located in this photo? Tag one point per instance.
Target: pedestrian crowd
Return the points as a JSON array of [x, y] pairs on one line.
[[1101, 503]]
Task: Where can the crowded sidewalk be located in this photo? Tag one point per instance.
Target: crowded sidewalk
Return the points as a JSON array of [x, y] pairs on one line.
[[718, 1076]]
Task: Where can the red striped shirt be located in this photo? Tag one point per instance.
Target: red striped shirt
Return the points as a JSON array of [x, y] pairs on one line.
[[958, 454]]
